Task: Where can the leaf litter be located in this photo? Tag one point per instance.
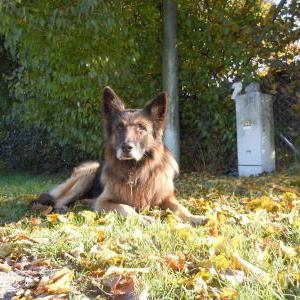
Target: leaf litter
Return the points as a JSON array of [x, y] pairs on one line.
[[251, 221]]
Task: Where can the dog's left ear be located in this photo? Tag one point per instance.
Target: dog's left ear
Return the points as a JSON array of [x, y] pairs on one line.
[[111, 102], [157, 109]]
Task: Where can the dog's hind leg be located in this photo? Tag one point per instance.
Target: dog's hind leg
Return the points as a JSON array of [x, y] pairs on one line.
[[73, 188], [82, 185]]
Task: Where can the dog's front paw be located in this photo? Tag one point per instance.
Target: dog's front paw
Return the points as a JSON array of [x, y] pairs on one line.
[[61, 210], [196, 220], [145, 219]]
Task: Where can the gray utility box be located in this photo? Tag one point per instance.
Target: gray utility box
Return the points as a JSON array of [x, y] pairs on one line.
[[255, 131]]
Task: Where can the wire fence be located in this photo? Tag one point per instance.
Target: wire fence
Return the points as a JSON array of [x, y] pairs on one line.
[[287, 131]]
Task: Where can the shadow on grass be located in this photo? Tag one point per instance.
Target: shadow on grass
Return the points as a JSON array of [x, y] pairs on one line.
[[17, 190], [12, 210]]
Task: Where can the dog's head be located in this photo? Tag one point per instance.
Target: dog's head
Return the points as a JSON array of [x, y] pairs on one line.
[[132, 133]]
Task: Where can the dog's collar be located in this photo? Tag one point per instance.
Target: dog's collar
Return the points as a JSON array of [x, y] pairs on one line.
[[132, 180]]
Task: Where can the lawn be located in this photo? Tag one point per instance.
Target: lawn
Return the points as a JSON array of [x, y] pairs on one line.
[[249, 249]]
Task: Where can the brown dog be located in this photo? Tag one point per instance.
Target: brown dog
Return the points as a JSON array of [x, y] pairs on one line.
[[138, 170]]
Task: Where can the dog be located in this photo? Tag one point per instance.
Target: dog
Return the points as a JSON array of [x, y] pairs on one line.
[[138, 170]]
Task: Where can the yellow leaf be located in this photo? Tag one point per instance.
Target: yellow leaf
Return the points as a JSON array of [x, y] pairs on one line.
[[100, 236], [89, 216], [5, 268], [103, 255], [228, 293], [250, 268], [54, 218], [263, 202], [288, 199], [275, 229], [59, 283], [220, 262]]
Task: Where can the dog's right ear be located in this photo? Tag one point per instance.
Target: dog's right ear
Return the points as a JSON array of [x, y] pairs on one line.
[[111, 102]]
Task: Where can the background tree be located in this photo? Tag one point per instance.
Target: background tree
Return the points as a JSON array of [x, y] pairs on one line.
[[68, 50]]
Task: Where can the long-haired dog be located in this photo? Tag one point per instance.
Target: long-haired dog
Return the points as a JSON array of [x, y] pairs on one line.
[[138, 170]]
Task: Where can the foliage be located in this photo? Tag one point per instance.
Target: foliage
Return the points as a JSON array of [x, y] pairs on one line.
[[30, 147], [68, 51], [249, 247], [6, 66]]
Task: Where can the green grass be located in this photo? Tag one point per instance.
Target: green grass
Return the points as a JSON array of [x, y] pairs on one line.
[[17, 189], [258, 218]]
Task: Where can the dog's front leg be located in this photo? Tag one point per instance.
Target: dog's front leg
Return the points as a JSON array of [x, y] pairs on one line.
[[104, 204], [172, 204]]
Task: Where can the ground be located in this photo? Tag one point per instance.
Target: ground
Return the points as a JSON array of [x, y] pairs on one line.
[[249, 249]]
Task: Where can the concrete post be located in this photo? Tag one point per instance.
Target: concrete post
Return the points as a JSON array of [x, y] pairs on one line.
[[170, 75]]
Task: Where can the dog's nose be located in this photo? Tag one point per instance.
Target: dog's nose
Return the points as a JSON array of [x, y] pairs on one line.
[[127, 147]]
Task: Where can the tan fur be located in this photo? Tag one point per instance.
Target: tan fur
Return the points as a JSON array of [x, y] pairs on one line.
[[129, 184], [76, 186]]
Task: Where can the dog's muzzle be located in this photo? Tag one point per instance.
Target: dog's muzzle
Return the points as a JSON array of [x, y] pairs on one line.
[[128, 151]]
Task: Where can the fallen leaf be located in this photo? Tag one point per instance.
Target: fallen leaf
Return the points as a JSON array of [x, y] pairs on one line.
[[58, 283], [263, 202], [5, 249], [228, 293], [235, 277], [261, 275], [43, 262], [100, 236], [200, 285], [24, 237], [288, 200], [213, 231], [89, 216], [78, 251], [54, 218], [287, 250], [121, 270], [175, 262], [122, 283], [35, 221], [103, 255], [5, 268]]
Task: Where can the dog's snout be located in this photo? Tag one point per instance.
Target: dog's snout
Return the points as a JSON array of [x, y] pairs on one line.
[[127, 147]]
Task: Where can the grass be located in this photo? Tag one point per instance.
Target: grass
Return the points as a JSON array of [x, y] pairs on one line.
[[255, 218]]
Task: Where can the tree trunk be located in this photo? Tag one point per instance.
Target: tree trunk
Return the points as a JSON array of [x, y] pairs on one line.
[[170, 75]]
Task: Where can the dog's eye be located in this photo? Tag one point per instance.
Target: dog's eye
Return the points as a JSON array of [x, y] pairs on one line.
[[141, 127], [120, 126]]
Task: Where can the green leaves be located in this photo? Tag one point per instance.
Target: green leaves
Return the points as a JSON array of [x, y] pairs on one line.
[[68, 51]]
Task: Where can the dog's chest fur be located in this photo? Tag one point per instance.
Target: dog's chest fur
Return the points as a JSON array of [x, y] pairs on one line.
[[144, 185]]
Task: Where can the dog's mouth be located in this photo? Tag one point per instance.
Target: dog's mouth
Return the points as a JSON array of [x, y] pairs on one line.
[[128, 155]]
